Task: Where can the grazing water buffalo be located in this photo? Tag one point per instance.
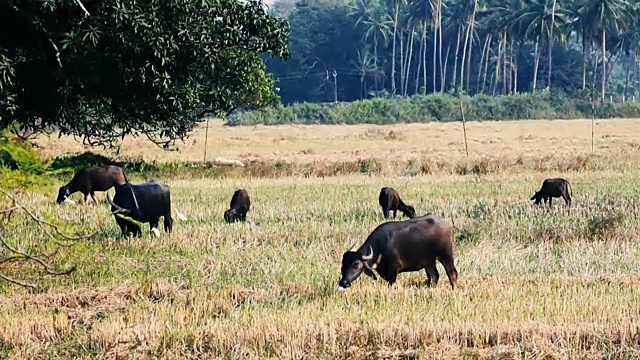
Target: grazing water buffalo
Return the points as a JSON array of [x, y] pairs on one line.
[[553, 188], [145, 203], [390, 200], [88, 180], [401, 246], [239, 207]]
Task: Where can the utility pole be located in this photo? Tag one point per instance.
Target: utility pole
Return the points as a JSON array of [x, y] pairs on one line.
[[335, 86]]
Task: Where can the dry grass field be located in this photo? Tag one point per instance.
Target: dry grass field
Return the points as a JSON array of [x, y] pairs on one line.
[[534, 284]]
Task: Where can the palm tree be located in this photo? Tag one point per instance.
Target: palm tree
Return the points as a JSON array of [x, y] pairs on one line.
[[630, 45], [421, 11], [364, 65], [605, 17], [377, 26]]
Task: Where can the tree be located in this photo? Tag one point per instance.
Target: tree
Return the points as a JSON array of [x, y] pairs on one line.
[[605, 17], [120, 67], [11, 254]]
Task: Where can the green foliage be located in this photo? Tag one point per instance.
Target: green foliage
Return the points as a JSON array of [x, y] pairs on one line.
[[436, 107], [373, 45], [134, 67], [30, 166]]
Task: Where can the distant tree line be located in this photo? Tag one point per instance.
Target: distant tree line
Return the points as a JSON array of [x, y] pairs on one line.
[[353, 49]]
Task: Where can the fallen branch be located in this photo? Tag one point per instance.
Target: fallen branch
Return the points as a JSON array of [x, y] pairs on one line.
[[12, 253]]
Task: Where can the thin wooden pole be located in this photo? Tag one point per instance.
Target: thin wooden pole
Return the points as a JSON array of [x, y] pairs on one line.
[[593, 118], [206, 137], [464, 126]]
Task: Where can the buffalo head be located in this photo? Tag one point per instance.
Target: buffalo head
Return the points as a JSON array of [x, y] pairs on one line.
[[63, 194], [409, 211], [353, 264], [230, 215], [536, 196]]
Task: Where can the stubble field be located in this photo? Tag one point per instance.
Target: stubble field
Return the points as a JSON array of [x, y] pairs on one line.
[[532, 283]]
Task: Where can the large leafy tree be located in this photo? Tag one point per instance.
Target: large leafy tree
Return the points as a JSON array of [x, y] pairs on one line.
[[102, 69]]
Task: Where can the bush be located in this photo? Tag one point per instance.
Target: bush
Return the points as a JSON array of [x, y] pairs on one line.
[[437, 107]]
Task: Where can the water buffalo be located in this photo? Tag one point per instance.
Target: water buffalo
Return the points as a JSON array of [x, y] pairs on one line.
[[145, 203], [88, 180], [390, 200], [553, 188], [239, 207], [401, 246]]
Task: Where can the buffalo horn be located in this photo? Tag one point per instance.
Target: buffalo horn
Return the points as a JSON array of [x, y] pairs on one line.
[[135, 200], [368, 256], [116, 206]]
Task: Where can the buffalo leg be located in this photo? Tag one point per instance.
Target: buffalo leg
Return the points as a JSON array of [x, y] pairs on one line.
[[390, 271], [432, 273], [395, 212], [452, 272], [93, 197], [154, 223], [385, 213], [86, 195], [123, 226], [243, 216], [168, 223], [567, 199]]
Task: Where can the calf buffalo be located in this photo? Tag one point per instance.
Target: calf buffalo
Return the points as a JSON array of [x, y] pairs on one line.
[[390, 200], [145, 203], [88, 180], [401, 246], [553, 188], [240, 204]]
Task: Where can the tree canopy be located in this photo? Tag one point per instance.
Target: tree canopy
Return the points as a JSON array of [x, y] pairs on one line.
[[103, 69], [494, 47]]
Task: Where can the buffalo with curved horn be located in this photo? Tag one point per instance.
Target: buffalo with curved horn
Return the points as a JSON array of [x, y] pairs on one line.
[[401, 246], [144, 203]]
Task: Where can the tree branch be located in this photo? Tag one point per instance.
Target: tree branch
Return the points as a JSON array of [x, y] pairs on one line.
[[16, 254], [17, 282], [84, 9]]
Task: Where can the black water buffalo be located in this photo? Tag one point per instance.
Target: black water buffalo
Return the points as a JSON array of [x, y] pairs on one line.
[[390, 200], [553, 188], [239, 207], [89, 180], [145, 203], [401, 246]]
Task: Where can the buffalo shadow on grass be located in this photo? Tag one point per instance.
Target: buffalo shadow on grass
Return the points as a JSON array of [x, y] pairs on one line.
[[74, 163]]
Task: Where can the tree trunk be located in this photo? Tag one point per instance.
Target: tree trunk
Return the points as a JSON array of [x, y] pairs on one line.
[[511, 66], [455, 63], [375, 60], [553, 14], [393, 50], [536, 62], [466, 44], [626, 77], [497, 70], [504, 64], [424, 60], [442, 70], [484, 49], [584, 60], [486, 67], [515, 70], [435, 43], [408, 64], [401, 35], [422, 45], [470, 54], [604, 64]]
